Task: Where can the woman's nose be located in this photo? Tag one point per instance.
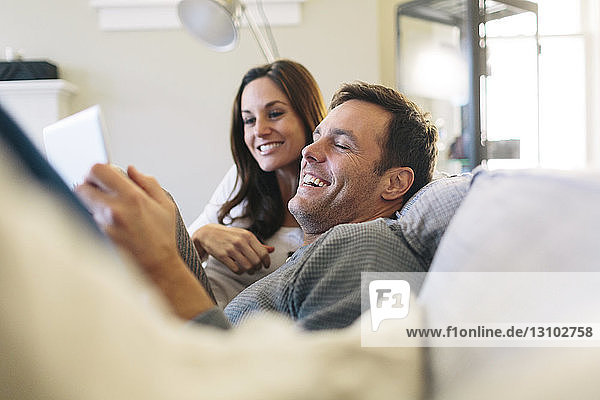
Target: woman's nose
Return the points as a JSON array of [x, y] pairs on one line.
[[262, 127]]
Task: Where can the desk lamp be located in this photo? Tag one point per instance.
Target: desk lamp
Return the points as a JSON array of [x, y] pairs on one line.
[[216, 23]]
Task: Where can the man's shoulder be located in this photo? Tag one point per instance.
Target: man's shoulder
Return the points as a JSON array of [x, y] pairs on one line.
[[363, 233], [355, 242]]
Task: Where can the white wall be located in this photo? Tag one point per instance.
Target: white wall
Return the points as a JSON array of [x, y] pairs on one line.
[[166, 97]]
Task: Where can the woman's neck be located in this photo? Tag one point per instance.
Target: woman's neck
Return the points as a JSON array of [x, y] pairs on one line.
[[287, 178]]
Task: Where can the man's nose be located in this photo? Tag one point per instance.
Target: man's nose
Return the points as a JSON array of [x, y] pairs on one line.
[[313, 152]]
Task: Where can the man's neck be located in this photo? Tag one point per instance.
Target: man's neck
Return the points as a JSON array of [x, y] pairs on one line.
[[310, 237]]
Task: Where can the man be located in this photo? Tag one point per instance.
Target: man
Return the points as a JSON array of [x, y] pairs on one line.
[[370, 154]]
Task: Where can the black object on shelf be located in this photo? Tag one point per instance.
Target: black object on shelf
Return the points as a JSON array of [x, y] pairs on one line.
[[27, 70]]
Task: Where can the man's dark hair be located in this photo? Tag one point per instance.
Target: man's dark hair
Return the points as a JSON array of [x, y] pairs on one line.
[[411, 136]]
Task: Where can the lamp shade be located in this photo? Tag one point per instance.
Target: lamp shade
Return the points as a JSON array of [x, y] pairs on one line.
[[213, 22]]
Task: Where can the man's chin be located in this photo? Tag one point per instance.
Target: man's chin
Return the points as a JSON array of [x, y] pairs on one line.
[[304, 201], [301, 208], [312, 214], [294, 205]]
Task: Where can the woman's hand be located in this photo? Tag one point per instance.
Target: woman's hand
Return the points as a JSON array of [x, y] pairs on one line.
[[237, 248]]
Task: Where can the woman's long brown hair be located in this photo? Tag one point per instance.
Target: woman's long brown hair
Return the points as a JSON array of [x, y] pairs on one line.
[[264, 207]]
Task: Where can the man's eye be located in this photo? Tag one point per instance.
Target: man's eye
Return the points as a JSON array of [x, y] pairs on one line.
[[341, 146]]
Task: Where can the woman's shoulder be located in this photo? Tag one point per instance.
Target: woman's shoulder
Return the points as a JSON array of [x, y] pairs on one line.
[[225, 191], [227, 188], [229, 179]]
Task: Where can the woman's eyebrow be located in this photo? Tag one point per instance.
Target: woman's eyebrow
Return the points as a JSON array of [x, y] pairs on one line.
[[272, 103], [269, 104]]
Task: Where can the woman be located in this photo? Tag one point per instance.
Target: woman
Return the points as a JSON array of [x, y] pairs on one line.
[[275, 111]]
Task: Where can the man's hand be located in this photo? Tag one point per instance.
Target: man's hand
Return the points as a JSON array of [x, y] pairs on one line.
[[237, 248], [140, 218], [135, 213]]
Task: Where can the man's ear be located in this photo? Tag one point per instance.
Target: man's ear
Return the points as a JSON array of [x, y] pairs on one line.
[[397, 182]]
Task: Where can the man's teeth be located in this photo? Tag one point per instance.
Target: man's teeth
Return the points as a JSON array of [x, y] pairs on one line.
[[313, 181], [266, 147]]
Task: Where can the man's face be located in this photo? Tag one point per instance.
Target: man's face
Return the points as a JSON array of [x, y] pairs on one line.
[[337, 180]]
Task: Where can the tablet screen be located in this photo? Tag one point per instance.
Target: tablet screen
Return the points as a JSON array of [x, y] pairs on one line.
[[74, 144]]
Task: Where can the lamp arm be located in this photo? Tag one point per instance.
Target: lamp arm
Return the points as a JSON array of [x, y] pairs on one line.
[[258, 35]]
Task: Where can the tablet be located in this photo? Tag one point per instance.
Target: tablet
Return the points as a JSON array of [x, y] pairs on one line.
[[74, 144]]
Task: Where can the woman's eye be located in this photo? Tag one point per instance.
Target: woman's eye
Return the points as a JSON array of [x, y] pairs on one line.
[[275, 114], [249, 121], [341, 146]]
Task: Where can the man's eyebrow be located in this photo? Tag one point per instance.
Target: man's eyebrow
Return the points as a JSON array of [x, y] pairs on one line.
[[269, 104], [338, 132], [344, 132]]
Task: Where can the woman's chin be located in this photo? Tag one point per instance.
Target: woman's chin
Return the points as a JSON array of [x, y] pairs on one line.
[[274, 165], [267, 167]]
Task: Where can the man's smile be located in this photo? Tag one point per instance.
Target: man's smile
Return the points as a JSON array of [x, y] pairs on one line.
[[311, 180]]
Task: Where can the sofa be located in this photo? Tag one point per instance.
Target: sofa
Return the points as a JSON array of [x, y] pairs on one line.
[[529, 225]]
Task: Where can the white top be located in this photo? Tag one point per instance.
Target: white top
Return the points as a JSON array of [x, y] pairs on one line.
[[225, 283]]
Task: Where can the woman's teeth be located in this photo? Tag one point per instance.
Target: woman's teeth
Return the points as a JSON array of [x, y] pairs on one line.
[[267, 147], [313, 181]]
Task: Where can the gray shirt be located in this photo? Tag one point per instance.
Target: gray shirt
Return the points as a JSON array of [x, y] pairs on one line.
[[320, 285]]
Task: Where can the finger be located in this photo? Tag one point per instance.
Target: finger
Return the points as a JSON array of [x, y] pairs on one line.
[[267, 261], [269, 249], [99, 207], [262, 252], [246, 259], [95, 200], [149, 184], [257, 253], [107, 178], [231, 264]]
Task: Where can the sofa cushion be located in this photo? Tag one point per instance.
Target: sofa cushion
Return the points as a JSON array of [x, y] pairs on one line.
[[424, 218], [528, 220]]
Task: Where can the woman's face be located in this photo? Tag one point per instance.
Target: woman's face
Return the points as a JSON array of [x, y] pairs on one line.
[[273, 131]]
